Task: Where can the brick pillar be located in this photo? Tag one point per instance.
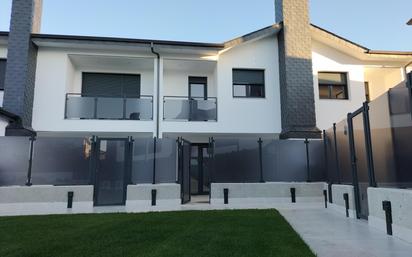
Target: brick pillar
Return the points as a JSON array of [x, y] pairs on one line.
[[22, 59], [295, 64]]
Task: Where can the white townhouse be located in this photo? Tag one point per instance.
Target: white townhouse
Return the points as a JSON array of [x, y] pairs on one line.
[[289, 80]]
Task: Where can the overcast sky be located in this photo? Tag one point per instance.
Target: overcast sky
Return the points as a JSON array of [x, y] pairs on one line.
[[376, 24]]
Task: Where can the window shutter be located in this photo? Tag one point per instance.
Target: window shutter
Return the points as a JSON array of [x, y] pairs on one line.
[[118, 85]]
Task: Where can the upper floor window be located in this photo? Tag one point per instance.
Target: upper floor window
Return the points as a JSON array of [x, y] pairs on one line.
[[248, 83], [107, 84], [333, 85], [2, 73], [198, 88]]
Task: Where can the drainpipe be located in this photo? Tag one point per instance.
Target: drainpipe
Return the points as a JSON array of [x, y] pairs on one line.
[[157, 88]]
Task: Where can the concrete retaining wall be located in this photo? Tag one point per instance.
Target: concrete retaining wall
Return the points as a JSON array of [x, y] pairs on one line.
[[338, 201], [35, 200], [139, 197], [270, 192], [401, 203]]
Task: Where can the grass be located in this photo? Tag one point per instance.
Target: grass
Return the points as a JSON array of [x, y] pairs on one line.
[[253, 233]]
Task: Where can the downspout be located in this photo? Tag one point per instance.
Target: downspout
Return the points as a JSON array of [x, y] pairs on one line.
[[157, 89]]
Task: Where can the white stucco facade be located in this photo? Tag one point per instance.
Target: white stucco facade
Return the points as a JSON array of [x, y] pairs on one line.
[[59, 72], [60, 68], [327, 59], [239, 115], [56, 76]]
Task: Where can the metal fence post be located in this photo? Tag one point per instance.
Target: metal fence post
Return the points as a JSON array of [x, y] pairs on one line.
[[325, 151], [307, 160], [129, 159], [28, 181], [336, 154], [212, 158], [154, 160], [260, 161], [368, 144], [354, 165]]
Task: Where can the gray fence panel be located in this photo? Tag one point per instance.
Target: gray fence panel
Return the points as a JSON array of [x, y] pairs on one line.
[[332, 170], [142, 161], [317, 160], [14, 160], [166, 160], [382, 142], [236, 161], [61, 161], [342, 139]]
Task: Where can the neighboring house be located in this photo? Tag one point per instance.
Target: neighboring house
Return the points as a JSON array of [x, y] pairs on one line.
[[289, 80]]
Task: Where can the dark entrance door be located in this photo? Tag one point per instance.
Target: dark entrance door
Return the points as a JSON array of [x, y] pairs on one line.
[[110, 176], [199, 170]]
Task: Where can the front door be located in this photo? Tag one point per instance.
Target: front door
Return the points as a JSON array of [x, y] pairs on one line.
[[199, 170], [110, 173]]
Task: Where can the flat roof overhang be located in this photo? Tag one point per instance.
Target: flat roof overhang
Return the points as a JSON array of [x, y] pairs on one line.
[[125, 44]]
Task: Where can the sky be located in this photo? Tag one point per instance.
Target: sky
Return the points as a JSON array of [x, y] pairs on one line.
[[376, 24]]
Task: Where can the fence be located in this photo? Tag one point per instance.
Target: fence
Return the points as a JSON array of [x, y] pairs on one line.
[[256, 160], [68, 161], [371, 148], [383, 159]]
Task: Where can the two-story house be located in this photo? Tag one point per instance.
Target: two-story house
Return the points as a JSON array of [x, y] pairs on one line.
[[291, 79]]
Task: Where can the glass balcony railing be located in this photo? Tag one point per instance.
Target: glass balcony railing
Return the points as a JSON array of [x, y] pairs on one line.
[[80, 106], [194, 109]]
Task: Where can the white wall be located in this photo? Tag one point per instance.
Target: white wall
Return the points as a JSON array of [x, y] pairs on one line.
[[3, 55], [242, 115], [56, 76], [382, 79], [325, 58], [3, 125], [401, 204]]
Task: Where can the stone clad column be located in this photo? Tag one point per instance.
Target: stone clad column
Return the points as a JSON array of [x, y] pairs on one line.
[[22, 59], [296, 76]]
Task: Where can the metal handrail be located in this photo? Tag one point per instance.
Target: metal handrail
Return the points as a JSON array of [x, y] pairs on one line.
[[111, 96], [192, 99], [96, 99], [187, 98]]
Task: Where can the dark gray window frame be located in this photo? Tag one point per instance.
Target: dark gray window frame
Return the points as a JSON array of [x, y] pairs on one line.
[[263, 86], [197, 80], [331, 86], [118, 74], [4, 78]]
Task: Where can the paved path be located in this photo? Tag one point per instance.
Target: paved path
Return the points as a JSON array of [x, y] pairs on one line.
[[331, 235]]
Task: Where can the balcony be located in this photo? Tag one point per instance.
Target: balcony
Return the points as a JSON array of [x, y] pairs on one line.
[[177, 108], [87, 107]]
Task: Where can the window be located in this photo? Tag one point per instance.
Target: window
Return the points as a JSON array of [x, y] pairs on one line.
[[105, 84], [333, 85], [198, 87], [2, 73], [248, 83]]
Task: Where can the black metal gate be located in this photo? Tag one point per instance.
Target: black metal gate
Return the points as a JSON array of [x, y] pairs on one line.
[[361, 158], [184, 155], [111, 170]]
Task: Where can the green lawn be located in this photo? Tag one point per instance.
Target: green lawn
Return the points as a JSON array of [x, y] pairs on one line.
[[254, 233]]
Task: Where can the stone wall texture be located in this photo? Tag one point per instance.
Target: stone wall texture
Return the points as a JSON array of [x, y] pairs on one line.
[[296, 76]]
